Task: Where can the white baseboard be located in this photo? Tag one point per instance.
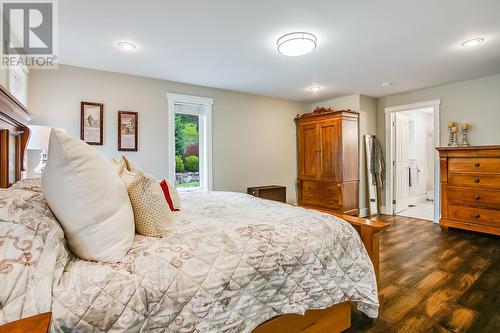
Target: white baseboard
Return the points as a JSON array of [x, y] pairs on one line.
[[384, 210], [363, 212]]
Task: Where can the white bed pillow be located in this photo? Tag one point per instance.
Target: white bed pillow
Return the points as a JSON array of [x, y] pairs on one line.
[[88, 198]]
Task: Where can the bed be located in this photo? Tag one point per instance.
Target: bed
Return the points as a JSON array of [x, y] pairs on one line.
[[233, 263]]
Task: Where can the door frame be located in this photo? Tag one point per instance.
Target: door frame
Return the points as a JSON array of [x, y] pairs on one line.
[[389, 149]]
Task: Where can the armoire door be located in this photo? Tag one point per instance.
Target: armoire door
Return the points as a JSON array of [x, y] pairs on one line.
[[308, 147], [330, 157]]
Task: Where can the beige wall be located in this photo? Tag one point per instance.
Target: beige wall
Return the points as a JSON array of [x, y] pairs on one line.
[[367, 108], [254, 139], [474, 101]]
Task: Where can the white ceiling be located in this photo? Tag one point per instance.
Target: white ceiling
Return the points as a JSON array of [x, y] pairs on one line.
[[231, 44]]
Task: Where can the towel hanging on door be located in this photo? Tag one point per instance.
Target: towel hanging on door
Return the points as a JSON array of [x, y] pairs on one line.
[[377, 164]]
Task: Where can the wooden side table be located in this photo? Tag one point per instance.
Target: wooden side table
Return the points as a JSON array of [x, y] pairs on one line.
[[35, 324], [270, 192]]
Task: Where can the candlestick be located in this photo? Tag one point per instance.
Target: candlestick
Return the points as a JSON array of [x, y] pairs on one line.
[[452, 124]]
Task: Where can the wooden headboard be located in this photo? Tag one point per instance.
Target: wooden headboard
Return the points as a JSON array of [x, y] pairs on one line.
[[14, 136]]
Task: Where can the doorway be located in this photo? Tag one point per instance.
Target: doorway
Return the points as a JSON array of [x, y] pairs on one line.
[[412, 133]]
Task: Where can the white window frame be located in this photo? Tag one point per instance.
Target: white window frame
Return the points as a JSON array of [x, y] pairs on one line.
[[205, 138]]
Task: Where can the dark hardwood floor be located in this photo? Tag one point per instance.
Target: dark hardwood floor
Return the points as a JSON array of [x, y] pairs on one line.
[[433, 281]]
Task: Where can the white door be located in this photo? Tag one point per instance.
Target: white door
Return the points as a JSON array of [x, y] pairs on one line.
[[402, 164]]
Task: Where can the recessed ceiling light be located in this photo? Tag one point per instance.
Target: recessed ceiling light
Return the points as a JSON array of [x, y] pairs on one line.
[[315, 88], [387, 84], [296, 44], [127, 46], [472, 42]]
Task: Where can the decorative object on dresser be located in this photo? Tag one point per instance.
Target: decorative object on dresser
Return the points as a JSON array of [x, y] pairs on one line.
[[465, 134], [270, 192], [470, 185], [127, 130], [451, 135], [328, 161], [91, 123], [35, 324]]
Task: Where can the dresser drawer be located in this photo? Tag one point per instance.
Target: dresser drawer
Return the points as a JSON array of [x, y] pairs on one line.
[[476, 165], [474, 180], [480, 198], [325, 188], [481, 216]]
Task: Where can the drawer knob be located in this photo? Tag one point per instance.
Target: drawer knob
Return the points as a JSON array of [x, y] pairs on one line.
[[477, 180], [332, 202], [477, 164], [476, 216], [477, 197]]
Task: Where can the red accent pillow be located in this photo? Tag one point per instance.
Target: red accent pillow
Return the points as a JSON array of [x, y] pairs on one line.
[[168, 197]]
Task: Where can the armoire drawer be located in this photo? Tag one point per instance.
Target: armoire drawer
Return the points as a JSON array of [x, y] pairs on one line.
[[474, 164], [474, 180], [480, 198], [325, 188], [331, 203], [488, 217]]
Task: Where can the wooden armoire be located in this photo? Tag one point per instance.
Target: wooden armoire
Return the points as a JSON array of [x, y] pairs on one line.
[[328, 160]]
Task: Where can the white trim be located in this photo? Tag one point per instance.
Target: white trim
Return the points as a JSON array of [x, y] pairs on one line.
[[389, 151], [189, 99], [363, 212], [413, 106], [205, 138]]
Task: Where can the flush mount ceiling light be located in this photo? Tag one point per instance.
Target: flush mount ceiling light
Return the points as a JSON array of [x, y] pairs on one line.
[[127, 46], [296, 44], [472, 42], [386, 84], [315, 88]]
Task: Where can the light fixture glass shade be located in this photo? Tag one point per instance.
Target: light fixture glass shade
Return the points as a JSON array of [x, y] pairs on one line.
[[39, 137], [472, 42], [297, 44], [126, 45]]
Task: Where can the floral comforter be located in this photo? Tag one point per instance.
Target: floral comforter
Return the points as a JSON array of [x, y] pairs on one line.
[[230, 262]]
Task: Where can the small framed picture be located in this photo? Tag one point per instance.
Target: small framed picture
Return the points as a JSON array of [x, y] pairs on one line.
[[127, 130], [91, 121]]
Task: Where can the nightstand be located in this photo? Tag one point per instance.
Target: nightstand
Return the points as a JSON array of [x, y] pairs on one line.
[[35, 324], [270, 192]]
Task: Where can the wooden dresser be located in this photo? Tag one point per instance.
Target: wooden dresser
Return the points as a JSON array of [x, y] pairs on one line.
[[328, 166], [470, 185]]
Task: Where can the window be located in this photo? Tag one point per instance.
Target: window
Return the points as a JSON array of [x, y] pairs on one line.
[[190, 141]]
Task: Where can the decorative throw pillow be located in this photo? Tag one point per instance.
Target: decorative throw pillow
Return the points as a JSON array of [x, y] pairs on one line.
[[168, 196], [88, 198], [151, 212], [130, 166]]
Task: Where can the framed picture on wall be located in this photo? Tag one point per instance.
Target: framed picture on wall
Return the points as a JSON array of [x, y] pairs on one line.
[[91, 122], [127, 130]]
